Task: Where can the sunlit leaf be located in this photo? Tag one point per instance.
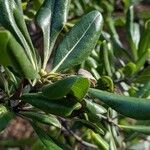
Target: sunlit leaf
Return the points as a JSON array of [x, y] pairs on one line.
[[41, 117], [51, 18], [79, 42], [76, 86]]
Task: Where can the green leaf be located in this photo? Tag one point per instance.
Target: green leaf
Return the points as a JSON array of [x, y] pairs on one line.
[[12, 79], [133, 32], [62, 107], [136, 128], [96, 119], [5, 117], [12, 54], [79, 42], [45, 139], [37, 4], [106, 58], [18, 16], [128, 106], [120, 50], [19, 19], [11, 18], [74, 85], [105, 83], [51, 17], [144, 76], [144, 91], [99, 141], [95, 108], [43, 118], [144, 44], [91, 62], [112, 143], [38, 145], [142, 59], [130, 69], [90, 125]]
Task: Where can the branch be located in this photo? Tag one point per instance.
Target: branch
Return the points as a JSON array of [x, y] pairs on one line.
[[78, 139]]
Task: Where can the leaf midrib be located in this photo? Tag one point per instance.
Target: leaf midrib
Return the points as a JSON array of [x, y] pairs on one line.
[[19, 34], [55, 69]]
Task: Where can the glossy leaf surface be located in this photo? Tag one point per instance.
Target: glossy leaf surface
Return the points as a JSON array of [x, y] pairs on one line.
[[136, 128], [11, 18], [51, 18], [77, 86], [95, 108], [128, 106], [79, 42], [43, 118], [63, 107]]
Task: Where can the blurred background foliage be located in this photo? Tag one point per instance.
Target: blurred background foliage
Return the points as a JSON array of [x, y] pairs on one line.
[[120, 63]]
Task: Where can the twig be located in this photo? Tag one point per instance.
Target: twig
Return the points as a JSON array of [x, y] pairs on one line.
[[78, 139]]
